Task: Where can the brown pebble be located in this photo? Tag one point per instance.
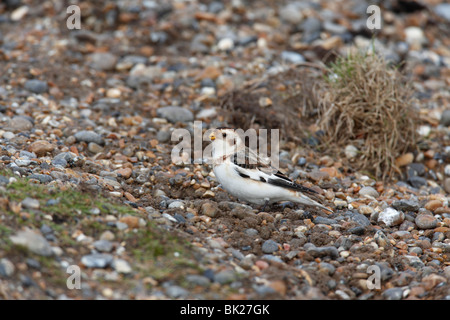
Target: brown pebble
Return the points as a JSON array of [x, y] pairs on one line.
[[41, 147], [433, 205], [132, 222], [404, 160], [425, 221], [124, 172]]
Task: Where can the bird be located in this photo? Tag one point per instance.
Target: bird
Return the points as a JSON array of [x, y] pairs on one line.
[[249, 177]]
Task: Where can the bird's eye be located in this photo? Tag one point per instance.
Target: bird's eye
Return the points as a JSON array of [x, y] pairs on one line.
[[224, 135]]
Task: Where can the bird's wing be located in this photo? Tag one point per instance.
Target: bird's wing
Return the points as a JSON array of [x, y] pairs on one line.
[[249, 165]]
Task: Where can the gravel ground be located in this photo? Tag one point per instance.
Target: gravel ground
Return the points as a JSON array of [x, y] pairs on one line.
[[86, 118]]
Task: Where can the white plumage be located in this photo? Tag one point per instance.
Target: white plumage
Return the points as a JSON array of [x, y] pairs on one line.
[[246, 176]]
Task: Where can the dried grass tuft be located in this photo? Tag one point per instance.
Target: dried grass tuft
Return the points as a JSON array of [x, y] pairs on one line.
[[369, 104]]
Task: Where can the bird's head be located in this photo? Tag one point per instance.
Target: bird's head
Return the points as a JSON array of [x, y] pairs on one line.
[[225, 141]]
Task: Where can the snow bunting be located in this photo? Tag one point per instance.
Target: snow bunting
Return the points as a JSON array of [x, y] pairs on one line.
[[248, 177]]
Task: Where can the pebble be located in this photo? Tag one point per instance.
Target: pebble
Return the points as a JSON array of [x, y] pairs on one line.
[[433, 205], [391, 217], [225, 277], [103, 61], [443, 10], [175, 114], [103, 245], [6, 268], [406, 205], [292, 57], [97, 260], [36, 86], [198, 280], [20, 124], [368, 192], [270, 246], [404, 160], [34, 242], [393, 294], [89, 136], [445, 118], [30, 203], [351, 151], [326, 251], [425, 221], [121, 266]]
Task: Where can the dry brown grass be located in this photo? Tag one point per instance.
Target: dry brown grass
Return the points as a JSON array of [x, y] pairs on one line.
[[368, 104]]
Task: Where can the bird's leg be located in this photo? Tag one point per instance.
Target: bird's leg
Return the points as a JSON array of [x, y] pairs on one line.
[[286, 204], [266, 202]]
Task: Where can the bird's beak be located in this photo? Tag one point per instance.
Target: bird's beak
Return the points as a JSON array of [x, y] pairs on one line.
[[212, 137]]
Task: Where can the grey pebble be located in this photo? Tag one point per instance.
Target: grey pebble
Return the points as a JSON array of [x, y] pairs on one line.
[[36, 86], [406, 205], [393, 294], [6, 268], [198, 280], [176, 292], [269, 246], [30, 203], [175, 114], [34, 242], [224, 277], [97, 260], [89, 136], [368, 191], [42, 178], [103, 245]]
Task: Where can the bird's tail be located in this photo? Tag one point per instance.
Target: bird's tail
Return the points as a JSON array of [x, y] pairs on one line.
[[305, 200]]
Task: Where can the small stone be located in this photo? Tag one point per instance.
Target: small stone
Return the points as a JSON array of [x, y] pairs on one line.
[[8, 135], [381, 239], [97, 260], [432, 280], [225, 44], [391, 217], [34, 242], [103, 245], [447, 185], [327, 251], [103, 61], [41, 147], [351, 151], [425, 221], [94, 147], [406, 205], [445, 117], [198, 280], [89, 136], [270, 246], [209, 209], [20, 124], [30, 203], [6, 268], [107, 236], [121, 266], [175, 114], [36, 86], [415, 37], [176, 292], [113, 93], [433, 205], [19, 13], [131, 221], [292, 57], [443, 10], [368, 191], [404, 160], [366, 210], [393, 294], [124, 172], [224, 277]]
